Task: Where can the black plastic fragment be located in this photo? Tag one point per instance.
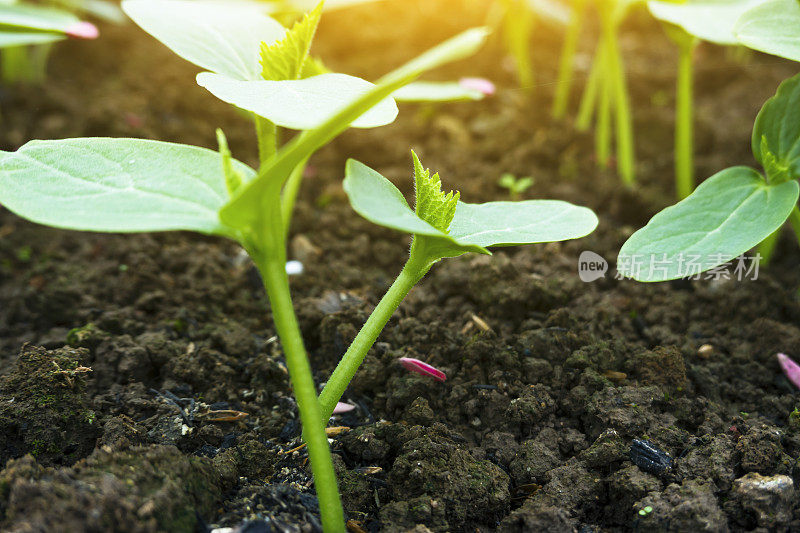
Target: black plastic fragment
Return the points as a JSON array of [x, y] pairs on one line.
[[649, 458]]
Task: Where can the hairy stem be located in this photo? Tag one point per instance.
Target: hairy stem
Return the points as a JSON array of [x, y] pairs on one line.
[[272, 265], [412, 272], [684, 118], [565, 69]]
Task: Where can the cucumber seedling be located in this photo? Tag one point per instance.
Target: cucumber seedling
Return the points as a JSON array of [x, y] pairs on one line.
[[135, 185], [28, 30], [515, 186], [686, 24], [733, 210], [442, 226], [607, 90]]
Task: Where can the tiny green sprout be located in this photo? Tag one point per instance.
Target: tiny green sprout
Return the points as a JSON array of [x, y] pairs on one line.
[[733, 210], [442, 226], [137, 185], [645, 511], [516, 186]]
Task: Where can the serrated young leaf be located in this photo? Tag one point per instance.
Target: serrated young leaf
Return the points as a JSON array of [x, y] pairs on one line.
[[313, 67], [776, 172], [433, 205], [285, 59]]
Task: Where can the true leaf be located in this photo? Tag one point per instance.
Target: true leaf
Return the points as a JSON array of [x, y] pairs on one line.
[[776, 133], [244, 208], [772, 27], [724, 217], [117, 185], [217, 36], [474, 226], [709, 20], [436, 91], [299, 104], [285, 59]]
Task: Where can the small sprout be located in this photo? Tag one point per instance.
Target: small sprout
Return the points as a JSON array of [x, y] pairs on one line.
[[482, 85], [82, 30], [790, 368], [415, 365], [645, 511], [516, 186], [342, 408]]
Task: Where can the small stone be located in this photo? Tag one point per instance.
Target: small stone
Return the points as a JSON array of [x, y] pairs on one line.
[[705, 351], [767, 498]]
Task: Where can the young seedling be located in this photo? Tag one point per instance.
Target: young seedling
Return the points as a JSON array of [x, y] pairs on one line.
[[442, 226], [517, 19], [607, 91], [257, 65], [733, 210], [28, 30], [686, 24], [516, 186], [133, 185], [567, 63]]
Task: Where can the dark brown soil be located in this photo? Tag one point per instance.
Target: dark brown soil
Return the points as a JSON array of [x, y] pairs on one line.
[[126, 359]]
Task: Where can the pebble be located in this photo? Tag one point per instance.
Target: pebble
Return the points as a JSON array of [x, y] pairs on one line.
[[705, 351], [768, 498], [294, 268]]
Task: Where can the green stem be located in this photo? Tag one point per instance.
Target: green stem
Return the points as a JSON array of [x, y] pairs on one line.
[[413, 271], [518, 23], [794, 220], [766, 248], [602, 134], [272, 265], [267, 134], [589, 98], [624, 121], [684, 130], [289, 196], [565, 69]]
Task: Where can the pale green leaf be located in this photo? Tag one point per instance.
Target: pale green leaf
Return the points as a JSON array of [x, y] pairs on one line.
[[776, 133], [772, 27], [727, 215], [436, 91], [33, 18], [285, 59], [217, 36], [15, 38], [474, 226], [116, 185], [243, 209], [299, 104], [709, 20]]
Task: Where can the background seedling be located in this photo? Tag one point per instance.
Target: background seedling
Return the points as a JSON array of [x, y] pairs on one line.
[[442, 227], [516, 186], [732, 211], [131, 185], [607, 90], [28, 30], [686, 23]]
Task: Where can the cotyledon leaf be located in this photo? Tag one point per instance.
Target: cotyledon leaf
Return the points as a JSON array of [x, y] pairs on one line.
[[117, 185], [709, 20], [474, 226], [216, 35], [299, 104], [727, 215], [772, 27]]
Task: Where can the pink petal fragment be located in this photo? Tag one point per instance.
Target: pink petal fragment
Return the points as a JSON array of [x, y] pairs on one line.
[[82, 30], [790, 368], [482, 85], [342, 407], [415, 365]]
